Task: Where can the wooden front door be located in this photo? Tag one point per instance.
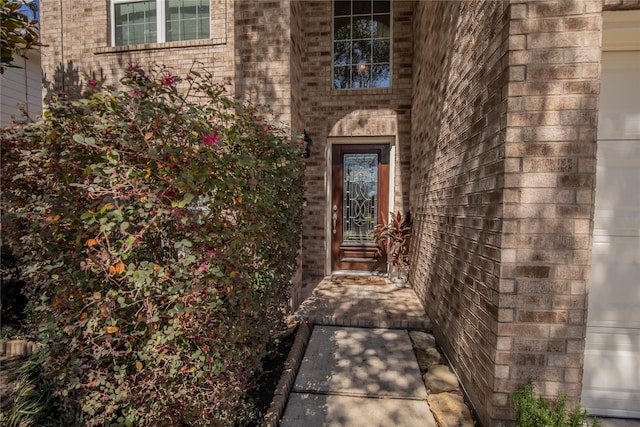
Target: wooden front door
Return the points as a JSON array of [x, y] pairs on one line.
[[359, 201]]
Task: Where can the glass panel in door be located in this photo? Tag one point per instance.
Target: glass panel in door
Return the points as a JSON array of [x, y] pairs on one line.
[[359, 197]]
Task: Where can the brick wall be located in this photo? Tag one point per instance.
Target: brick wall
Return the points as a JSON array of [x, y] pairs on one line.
[[345, 113], [459, 113], [554, 64], [504, 126], [78, 47], [263, 54], [250, 47], [296, 70], [493, 111]]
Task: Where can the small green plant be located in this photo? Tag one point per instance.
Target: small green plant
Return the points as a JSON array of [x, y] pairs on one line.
[[11, 333], [536, 411], [33, 401]]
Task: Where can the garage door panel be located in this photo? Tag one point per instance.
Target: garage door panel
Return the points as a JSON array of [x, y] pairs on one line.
[[609, 223], [606, 274], [608, 300], [617, 249], [611, 381], [614, 315], [628, 124], [617, 152], [618, 184], [617, 355], [620, 118], [611, 403], [615, 278], [617, 195], [618, 175], [626, 343]]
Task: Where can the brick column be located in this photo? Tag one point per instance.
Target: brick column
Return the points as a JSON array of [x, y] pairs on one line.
[[550, 146]]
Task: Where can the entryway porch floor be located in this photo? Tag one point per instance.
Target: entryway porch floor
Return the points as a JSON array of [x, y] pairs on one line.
[[367, 301]]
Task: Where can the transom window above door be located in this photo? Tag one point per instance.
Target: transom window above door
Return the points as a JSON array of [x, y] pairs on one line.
[[159, 21], [361, 44]]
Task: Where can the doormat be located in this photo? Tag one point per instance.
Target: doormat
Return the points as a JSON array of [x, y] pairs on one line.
[[359, 280]]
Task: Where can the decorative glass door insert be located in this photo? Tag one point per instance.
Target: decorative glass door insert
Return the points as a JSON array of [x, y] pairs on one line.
[[360, 196]]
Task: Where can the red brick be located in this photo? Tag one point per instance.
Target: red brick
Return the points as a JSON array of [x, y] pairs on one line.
[[531, 271]]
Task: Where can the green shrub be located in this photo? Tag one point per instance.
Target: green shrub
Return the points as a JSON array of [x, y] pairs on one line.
[[158, 236], [533, 411]]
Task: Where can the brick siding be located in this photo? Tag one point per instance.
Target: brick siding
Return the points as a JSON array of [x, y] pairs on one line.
[[344, 113], [550, 149], [297, 49], [457, 188], [263, 54], [249, 48], [504, 128]]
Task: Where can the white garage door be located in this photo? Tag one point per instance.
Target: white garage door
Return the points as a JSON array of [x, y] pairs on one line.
[[611, 384]]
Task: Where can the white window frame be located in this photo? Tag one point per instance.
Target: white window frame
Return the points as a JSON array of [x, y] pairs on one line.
[[160, 20]]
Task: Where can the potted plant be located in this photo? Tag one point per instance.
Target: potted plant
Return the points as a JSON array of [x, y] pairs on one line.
[[393, 242]]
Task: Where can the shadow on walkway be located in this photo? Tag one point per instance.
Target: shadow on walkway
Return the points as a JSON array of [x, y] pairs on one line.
[[364, 301]]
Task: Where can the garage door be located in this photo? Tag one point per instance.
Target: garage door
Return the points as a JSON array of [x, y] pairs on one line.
[[611, 383]]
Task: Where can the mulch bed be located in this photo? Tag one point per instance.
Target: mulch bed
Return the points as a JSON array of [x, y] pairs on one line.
[[272, 367]]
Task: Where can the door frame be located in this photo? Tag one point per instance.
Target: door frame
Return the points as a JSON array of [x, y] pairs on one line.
[[355, 140]]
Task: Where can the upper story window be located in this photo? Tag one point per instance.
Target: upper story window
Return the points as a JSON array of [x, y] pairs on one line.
[[159, 21], [361, 44]]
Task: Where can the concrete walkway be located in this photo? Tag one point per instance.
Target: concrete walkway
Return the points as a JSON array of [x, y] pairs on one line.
[[370, 361], [358, 377], [360, 366]]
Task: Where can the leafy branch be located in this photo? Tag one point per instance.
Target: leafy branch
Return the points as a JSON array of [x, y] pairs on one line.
[[19, 33]]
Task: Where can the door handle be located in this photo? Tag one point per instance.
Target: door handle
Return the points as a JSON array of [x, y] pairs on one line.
[[335, 218]]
